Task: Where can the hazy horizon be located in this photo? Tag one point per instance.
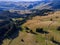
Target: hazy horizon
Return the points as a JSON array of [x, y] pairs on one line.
[[21, 0]]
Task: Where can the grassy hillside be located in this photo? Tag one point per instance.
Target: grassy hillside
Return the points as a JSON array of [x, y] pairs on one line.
[[40, 30]]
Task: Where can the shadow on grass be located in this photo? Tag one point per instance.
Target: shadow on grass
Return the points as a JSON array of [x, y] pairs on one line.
[[12, 34], [54, 41]]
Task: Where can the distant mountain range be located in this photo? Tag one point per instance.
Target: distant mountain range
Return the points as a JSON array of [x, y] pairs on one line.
[[18, 5], [54, 4]]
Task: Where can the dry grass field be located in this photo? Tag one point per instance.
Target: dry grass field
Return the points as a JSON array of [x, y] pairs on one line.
[[30, 36]]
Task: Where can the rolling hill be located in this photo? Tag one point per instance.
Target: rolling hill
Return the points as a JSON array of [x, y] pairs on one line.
[[30, 23]]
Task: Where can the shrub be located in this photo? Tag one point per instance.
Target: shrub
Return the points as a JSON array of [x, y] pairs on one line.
[[58, 28], [22, 40], [27, 28], [57, 17], [32, 32], [39, 30], [51, 19]]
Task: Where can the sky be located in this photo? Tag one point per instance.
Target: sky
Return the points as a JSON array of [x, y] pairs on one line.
[[20, 0]]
